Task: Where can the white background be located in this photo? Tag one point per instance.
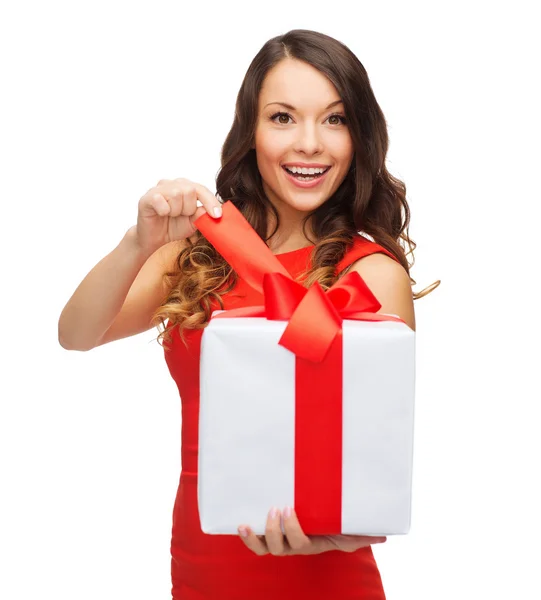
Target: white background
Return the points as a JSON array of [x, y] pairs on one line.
[[101, 100]]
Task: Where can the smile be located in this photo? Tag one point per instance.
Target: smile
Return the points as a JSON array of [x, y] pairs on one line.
[[306, 181]]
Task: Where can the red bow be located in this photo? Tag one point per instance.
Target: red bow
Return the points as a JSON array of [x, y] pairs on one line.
[[315, 317]]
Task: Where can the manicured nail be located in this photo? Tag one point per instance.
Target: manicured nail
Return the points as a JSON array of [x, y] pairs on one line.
[[287, 512], [243, 531], [217, 211], [273, 512]]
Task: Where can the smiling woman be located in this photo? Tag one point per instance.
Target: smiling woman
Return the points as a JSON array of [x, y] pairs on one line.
[[304, 163], [333, 121]]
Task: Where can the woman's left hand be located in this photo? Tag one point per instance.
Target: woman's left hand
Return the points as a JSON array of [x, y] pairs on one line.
[[296, 542]]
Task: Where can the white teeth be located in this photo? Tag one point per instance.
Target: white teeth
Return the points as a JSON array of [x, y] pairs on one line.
[[306, 171]]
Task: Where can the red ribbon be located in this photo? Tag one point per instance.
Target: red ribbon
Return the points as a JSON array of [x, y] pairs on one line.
[[314, 335]]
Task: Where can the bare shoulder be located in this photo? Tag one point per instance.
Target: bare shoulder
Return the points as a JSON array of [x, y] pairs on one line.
[[390, 283]]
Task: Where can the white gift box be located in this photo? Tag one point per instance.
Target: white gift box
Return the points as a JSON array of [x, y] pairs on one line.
[[247, 425]]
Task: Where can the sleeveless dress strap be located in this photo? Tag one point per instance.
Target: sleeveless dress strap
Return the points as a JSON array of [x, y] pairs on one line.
[[361, 247]]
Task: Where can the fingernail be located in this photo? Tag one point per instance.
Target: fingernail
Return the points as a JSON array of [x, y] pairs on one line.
[[287, 512], [243, 531], [273, 512], [217, 211]]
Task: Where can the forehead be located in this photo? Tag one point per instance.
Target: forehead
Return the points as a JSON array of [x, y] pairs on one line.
[[298, 83]]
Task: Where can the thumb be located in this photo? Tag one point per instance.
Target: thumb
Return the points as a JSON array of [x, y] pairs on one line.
[[198, 212]]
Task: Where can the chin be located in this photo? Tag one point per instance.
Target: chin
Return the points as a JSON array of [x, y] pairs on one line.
[[305, 206], [304, 202]]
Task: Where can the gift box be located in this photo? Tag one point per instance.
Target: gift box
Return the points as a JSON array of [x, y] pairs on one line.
[[307, 401]]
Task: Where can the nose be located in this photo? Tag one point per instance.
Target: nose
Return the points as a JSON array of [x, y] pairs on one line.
[[308, 139]]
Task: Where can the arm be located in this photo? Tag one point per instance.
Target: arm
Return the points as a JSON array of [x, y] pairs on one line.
[[390, 283], [117, 297]]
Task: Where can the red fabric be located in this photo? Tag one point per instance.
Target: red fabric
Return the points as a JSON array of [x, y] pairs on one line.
[[208, 567]]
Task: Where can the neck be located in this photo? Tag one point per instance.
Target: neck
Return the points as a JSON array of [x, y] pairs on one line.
[[289, 235]]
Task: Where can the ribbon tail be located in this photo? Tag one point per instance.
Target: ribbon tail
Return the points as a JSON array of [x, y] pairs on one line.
[[236, 240]]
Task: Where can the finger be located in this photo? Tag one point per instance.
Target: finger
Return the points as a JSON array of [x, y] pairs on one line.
[[209, 201], [189, 200], [296, 538], [254, 542], [199, 211], [371, 539], [160, 205], [273, 534], [178, 196]]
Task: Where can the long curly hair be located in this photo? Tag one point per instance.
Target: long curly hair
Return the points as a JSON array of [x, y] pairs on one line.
[[369, 200]]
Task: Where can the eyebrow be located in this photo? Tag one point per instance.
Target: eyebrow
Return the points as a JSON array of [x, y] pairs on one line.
[[293, 108]]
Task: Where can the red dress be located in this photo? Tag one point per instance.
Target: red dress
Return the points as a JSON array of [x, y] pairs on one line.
[[221, 567]]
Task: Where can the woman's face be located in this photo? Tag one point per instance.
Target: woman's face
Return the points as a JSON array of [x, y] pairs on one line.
[[311, 132]]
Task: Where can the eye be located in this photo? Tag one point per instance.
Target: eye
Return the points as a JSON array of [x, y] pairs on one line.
[[342, 119], [280, 114]]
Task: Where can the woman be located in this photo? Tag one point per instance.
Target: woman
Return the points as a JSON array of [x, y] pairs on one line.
[[304, 162]]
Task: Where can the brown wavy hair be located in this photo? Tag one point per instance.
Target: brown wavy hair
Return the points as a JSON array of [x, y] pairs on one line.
[[369, 200]]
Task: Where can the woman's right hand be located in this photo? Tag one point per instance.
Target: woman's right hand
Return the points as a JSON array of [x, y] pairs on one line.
[[168, 210]]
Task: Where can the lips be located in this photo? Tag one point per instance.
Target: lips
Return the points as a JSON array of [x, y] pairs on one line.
[[306, 165], [311, 183]]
